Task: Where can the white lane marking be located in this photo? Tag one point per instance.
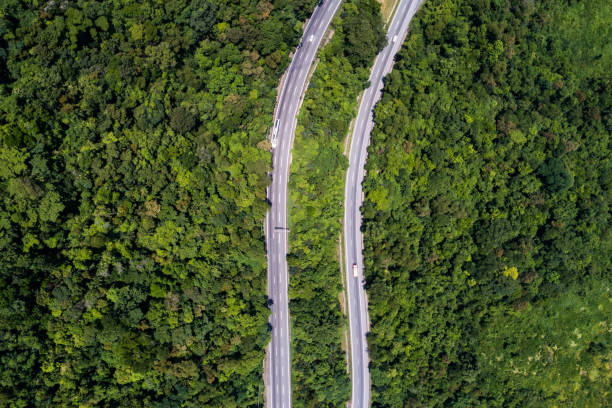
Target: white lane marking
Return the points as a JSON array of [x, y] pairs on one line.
[[295, 91], [276, 352]]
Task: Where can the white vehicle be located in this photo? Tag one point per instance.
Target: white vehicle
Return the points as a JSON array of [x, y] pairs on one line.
[[355, 270], [311, 38], [394, 38], [275, 134]]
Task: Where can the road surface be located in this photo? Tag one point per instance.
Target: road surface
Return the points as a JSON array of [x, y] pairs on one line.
[[358, 310], [278, 356]]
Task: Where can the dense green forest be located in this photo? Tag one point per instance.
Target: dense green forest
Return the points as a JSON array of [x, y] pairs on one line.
[[132, 197], [487, 215], [316, 189]]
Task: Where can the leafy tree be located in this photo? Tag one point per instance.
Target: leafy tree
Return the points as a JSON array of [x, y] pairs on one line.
[[364, 33], [181, 120], [556, 176]]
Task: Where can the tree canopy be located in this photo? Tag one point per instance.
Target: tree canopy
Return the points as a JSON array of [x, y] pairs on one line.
[[132, 196], [487, 213]]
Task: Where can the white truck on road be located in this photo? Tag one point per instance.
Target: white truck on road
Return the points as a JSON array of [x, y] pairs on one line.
[[355, 270], [275, 134]]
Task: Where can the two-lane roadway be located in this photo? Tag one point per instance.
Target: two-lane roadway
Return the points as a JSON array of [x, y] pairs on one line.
[[358, 310], [278, 356]]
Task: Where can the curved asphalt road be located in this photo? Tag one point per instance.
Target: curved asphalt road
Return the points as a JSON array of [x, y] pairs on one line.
[[353, 240], [278, 356]]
